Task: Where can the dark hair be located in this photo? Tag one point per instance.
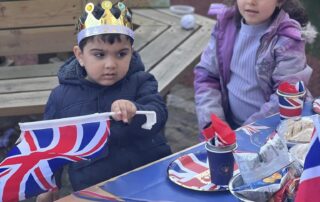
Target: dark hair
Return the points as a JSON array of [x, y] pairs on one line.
[[296, 11], [294, 8], [110, 38]]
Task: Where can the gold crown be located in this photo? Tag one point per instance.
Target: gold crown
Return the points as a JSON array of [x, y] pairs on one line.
[[108, 23]]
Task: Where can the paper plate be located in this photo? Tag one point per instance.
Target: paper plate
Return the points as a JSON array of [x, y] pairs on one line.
[[191, 171]]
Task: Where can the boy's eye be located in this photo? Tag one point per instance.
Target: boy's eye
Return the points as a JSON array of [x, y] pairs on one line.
[[98, 54], [122, 54]]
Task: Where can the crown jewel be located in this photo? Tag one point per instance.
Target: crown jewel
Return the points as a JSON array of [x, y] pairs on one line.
[[107, 19]]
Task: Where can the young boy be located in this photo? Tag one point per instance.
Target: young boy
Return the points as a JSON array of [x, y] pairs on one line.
[[105, 75]]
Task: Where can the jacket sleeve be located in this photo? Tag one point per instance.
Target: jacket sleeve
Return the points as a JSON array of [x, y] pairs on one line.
[[290, 66], [148, 99], [50, 108], [208, 98]]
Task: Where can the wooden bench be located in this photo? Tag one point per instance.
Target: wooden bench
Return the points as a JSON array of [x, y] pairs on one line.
[[37, 27]]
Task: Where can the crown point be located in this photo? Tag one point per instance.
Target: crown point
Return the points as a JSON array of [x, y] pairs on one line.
[[121, 6], [89, 7], [106, 5]]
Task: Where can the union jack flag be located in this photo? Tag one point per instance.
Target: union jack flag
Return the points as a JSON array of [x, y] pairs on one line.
[[192, 171], [290, 107], [309, 187], [44, 147]]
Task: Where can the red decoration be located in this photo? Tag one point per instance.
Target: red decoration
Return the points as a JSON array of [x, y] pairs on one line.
[[286, 87], [220, 129]]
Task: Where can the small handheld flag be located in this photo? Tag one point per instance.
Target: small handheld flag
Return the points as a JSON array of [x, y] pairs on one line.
[[46, 146]]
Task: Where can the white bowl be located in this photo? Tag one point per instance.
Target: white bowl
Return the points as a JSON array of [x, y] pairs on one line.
[[235, 182], [182, 9]]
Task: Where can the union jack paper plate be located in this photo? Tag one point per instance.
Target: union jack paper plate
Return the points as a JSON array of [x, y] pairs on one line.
[[191, 171], [316, 105]]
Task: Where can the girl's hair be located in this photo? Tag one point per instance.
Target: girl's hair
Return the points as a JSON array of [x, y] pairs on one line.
[[294, 8], [296, 11], [110, 38]]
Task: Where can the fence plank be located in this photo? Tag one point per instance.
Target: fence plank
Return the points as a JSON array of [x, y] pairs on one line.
[[38, 13], [29, 71], [38, 40], [140, 3], [23, 103]]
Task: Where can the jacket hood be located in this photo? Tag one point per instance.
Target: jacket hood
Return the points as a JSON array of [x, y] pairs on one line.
[[309, 33], [288, 27], [72, 73]]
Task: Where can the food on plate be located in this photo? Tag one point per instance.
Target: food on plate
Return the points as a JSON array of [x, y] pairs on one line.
[[299, 152], [297, 130]]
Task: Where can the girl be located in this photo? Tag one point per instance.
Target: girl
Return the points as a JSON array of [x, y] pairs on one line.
[[255, 45]]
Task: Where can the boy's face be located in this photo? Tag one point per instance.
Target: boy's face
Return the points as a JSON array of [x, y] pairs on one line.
[[105, 63]]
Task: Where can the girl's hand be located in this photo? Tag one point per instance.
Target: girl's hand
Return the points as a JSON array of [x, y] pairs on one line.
[[124, 110]]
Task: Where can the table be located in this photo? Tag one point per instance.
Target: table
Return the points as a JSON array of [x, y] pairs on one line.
[[166, 49], [150, 182]]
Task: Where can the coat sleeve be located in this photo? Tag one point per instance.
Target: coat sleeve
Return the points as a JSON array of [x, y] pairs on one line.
[[208, 98], [148, 99], [50, 108], [290, 66]]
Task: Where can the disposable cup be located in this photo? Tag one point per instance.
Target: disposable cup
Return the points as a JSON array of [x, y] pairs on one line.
[[290, 104], [221, 162]]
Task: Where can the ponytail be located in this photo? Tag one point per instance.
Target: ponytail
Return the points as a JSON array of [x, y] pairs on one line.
[[296, 11]]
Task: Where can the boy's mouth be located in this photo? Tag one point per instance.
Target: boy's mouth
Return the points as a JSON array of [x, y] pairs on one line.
[[109, 75]]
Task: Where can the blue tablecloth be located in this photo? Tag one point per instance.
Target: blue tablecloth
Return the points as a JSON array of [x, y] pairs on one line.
[[152, 184]]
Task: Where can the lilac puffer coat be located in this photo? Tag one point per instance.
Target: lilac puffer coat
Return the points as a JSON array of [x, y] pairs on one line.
[[280, 57]]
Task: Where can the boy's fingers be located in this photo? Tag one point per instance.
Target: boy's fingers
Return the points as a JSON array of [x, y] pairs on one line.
[[117, 116], [116, 109], [126, 110], [125, 116], [131, 110], [123, 110]]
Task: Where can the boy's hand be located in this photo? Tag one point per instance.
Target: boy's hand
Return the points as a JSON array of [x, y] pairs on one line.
[[124, 110]]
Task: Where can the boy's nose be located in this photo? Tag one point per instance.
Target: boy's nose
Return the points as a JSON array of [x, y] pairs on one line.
[[109, 63]]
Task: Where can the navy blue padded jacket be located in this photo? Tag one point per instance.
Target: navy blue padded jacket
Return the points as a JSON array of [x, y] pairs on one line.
[[129, 146]]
